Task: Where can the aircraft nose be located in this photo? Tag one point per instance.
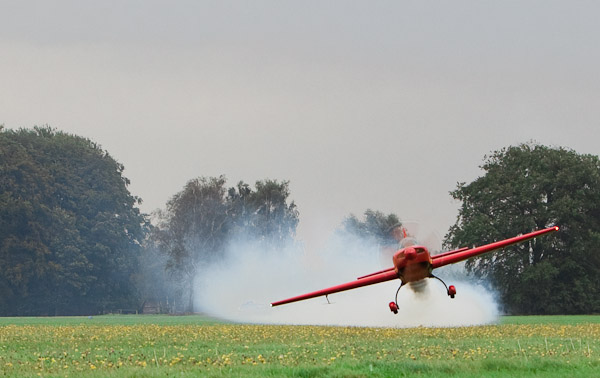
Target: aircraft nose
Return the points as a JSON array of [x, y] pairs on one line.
[[410, 254]]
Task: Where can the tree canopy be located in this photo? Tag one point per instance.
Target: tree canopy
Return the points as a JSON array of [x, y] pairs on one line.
[[70, 230], [376, 226], [530, 187], [264, 213]]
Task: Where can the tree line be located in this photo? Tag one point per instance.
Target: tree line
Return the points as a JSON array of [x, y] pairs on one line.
[[73, 241]]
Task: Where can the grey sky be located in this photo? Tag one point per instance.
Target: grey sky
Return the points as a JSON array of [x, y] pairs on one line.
[[372, 104]]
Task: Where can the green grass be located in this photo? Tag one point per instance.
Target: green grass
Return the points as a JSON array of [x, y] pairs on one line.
[[551, 319], [107, 320], [190, 346]]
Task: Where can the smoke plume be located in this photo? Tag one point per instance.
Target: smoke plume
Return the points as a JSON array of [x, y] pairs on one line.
[[241, 287]]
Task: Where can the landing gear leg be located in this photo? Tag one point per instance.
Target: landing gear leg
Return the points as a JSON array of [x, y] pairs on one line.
[[394, 305], [451, 290]]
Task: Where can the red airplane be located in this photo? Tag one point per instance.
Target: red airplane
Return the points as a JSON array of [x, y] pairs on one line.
[[413, 263]]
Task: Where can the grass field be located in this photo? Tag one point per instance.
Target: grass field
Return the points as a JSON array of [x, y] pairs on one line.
[[189, 346]]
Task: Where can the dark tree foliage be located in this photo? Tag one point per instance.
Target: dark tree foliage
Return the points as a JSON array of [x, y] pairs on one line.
[[204, 217], [526, 188], [375, 227], [69, 228]]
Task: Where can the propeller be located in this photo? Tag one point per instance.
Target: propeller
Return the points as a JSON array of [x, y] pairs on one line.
[[411, 233]]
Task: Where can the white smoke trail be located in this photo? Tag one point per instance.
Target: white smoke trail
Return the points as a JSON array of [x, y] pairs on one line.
[[242, 287]]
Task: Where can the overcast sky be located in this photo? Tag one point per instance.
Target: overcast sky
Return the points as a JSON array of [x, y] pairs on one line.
[[359, 104]]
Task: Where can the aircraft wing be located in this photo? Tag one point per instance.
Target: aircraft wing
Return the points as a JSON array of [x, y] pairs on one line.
[[370, 279], [465, 253], [442, 259]]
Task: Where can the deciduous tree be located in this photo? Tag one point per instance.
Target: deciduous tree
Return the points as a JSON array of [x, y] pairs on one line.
[[525, 188], [193, 230], [69, 229], [200, 221]]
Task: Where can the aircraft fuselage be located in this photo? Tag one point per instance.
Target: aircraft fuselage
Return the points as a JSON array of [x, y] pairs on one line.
[[412, 263]]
